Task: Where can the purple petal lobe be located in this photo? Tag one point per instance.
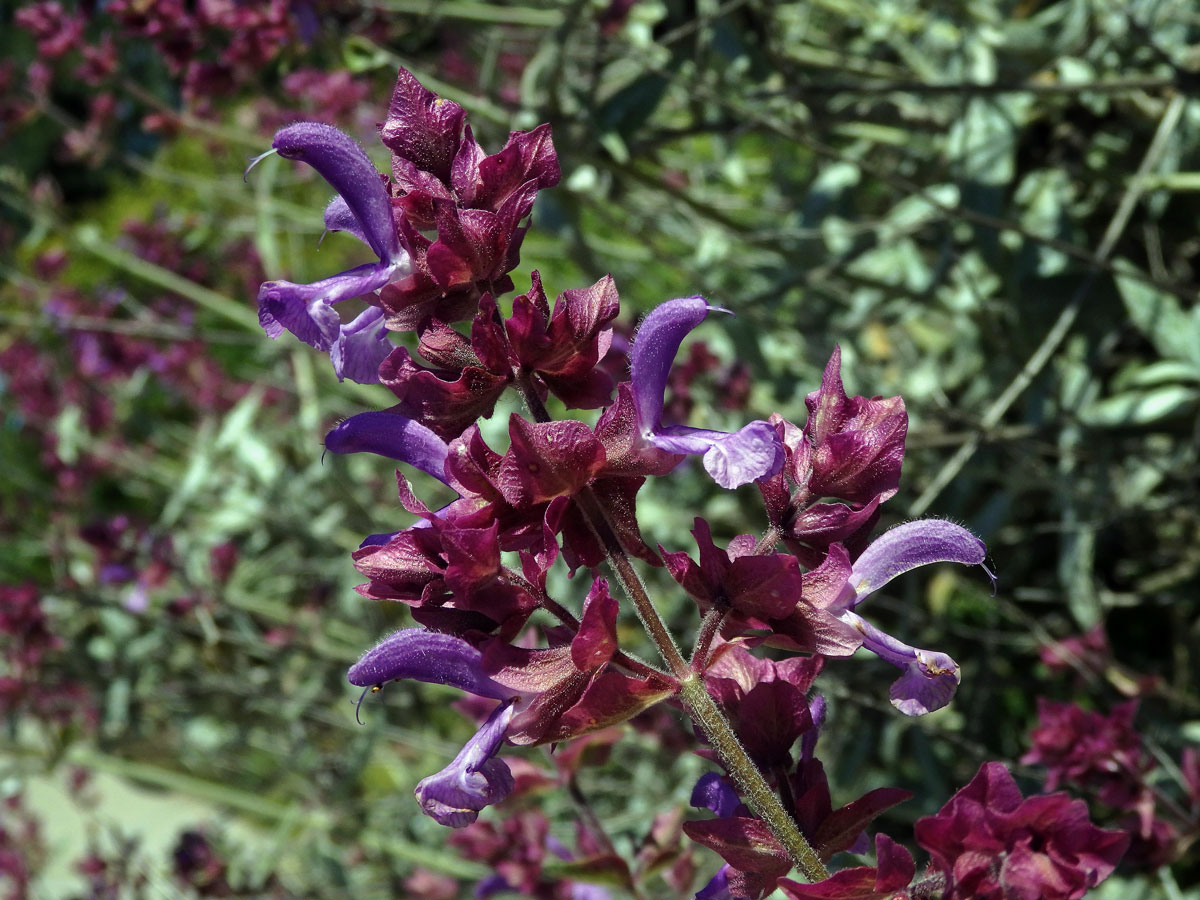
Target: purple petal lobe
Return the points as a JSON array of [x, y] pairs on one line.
[[752, 453], [360, 347], [927, 684], [338, 217], [717, 887], [654, 349], [747, 455], [394, 436], [712, 792], [930, 678], [455, 795], [305, 309], [808, 741], [428, 656], [344, 164], [911, 545]]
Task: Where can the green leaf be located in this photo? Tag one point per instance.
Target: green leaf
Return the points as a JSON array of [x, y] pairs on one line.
[[983, 142], [1174, 332], [1139, 408]]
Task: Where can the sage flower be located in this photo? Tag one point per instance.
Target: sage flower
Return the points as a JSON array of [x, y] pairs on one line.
[[929, 677], [364, 209], [747, 455]]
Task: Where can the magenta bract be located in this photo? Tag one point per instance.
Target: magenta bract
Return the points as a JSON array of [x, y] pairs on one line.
[[857, 443], [992, 844], [888, 879]]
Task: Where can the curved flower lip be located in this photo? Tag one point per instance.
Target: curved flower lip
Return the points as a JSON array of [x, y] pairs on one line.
[[361, 346], [429, 656], [345, 165], [474, 780], [713, 793], [364, 209], [394, 436], [747, 455], [908, 546], [929, 678]]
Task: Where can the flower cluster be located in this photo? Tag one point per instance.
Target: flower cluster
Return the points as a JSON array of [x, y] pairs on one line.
[[987, 843], [28, 642], [1104, 755], [75, 79], [445, 227]]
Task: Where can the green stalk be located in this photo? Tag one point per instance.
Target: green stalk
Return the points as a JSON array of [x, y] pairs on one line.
[[699, 705], [755, 790]]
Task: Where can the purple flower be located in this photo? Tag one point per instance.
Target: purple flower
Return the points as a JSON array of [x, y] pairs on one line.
[[712, 792], [747, 455], [930, 678], [476, 779], [364, 209], [428, 656], [717, 887], [394, 436]]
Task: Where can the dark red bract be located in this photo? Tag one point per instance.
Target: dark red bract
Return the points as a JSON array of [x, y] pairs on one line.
[[993, 844]]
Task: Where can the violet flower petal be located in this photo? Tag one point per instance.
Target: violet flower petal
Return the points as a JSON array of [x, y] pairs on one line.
[[394, 436], [306, 311], [378, 539], [654, 348], [360, 347], [364, 209], [749, 454], [908, 546], [339, 217], [717, 887], [808, 740], [429, 656], [930, 678], [714, 793], [345, 165], [476, 779]]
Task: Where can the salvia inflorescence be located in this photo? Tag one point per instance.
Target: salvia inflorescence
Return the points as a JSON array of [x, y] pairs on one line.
[[444, 231]]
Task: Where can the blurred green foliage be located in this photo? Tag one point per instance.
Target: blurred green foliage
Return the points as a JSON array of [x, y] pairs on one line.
[[991, 207]]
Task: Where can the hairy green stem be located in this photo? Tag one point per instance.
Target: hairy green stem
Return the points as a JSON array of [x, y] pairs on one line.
[[768, 541], [699, 705], [755, 790]]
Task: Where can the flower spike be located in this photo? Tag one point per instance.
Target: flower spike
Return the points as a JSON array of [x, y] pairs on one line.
[[735, 459]]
